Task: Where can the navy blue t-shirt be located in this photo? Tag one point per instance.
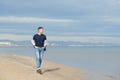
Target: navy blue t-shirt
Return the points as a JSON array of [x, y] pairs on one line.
[[39, 40]]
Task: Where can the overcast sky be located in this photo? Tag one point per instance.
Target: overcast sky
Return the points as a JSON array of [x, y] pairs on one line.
[[60, 18]]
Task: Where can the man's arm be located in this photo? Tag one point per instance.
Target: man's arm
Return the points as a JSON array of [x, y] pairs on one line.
[[45, 43], [33, 43]]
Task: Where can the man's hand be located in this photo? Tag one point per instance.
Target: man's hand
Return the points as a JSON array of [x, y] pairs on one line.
[[44, 48], [35, 46]]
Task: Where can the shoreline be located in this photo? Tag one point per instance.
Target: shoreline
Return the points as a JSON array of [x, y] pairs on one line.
[[16, 67], [19, 67]]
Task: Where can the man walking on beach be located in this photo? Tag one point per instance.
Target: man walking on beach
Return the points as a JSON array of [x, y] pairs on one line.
[[39, 43]]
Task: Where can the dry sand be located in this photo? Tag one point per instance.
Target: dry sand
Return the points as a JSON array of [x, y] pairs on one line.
[[23, 68]]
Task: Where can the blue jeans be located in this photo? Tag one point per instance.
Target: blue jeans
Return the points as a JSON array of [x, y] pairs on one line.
[[39, 55]]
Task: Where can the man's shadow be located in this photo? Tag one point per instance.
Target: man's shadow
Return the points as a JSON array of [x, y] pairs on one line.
[[50, 70]]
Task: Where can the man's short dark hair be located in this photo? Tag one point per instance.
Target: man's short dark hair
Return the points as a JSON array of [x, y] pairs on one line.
[[40, 28]]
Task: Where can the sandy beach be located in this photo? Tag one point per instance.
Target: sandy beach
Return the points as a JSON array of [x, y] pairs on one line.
[[23, 68], [13, 67]]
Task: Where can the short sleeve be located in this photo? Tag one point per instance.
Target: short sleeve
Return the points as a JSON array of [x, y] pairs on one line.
[[34, 37], [45, 38]]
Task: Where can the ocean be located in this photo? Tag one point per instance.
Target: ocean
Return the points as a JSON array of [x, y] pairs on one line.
[[94, 59]]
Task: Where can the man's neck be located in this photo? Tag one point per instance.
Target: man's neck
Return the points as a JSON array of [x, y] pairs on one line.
[[39, 33]]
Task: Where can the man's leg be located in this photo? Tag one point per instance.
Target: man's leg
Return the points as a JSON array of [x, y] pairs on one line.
[[41, 55], [37, 55]]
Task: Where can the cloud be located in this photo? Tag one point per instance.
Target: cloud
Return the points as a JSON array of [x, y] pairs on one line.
[[91, 39], [63, 17], [14, 19], [83, 20], [112, 19], [52, 8], [60, 9], [15, 37]]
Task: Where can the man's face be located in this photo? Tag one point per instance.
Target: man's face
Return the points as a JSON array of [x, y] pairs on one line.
[[40, 31]]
